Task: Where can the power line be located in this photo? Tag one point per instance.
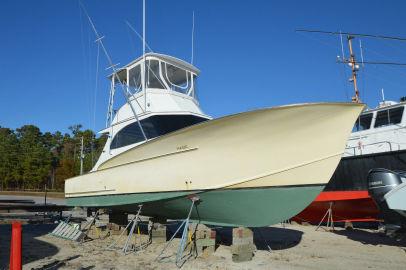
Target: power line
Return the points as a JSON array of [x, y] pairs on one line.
[[376, 63], [351, 34]]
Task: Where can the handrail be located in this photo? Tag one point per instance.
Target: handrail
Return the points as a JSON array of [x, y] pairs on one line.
[[375, 143]]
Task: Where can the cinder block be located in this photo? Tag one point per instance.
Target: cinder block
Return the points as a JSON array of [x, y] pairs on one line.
[[242, 257], [158, 234], [246, 248], [348, 225], [241, 232], [243, 246]]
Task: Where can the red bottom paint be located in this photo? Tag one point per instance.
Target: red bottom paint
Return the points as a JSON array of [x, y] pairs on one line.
[[346, 206]]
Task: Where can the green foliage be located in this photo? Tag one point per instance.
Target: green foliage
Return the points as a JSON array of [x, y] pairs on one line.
[[30, 159]]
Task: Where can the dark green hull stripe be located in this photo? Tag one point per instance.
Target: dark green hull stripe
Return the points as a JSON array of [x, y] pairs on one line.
[[250, 207]]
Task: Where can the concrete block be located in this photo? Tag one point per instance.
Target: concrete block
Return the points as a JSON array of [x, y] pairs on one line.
[[241, 232], [242, 257], [348, 225], [158, 234], [243, 246], [246, 248]]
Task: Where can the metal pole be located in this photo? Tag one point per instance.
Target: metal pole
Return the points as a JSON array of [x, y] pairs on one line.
[[354, 70], [193, 33], [81, 156], [143, 54]]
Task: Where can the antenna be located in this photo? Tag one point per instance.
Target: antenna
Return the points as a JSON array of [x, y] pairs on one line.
[[193, 34], [351, 61], [99, 39], [361, 52], [383, 95], [342, 46], [143, 56]]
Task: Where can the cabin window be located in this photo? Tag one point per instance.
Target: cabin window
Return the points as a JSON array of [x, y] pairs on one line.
[[389, 117], [178, 79], [363, 122], [153, 76], [135, 78], [153, 126]]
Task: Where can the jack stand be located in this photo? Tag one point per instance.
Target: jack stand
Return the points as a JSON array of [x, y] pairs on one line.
[[330, 221], [127, 248], [180, 258], [89, 226]]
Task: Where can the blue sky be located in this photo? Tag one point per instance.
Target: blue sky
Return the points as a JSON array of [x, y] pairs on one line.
[[248, 53]]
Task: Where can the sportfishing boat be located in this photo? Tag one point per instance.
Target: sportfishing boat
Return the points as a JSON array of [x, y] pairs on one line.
[[275, 160], [251, 169], [378, 140]]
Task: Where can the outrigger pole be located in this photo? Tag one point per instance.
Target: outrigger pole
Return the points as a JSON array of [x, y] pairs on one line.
[[113, 67]]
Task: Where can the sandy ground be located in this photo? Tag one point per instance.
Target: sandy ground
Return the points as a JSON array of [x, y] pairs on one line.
[[293, 247]]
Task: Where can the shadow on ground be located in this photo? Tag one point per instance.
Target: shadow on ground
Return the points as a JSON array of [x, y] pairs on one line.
[[372, 238], [31, 245], [275, 238], [265, 237]]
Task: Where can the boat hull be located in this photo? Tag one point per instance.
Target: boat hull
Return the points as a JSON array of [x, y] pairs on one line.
[[348, 189], [226, 207], [265, 149], [354, 206]]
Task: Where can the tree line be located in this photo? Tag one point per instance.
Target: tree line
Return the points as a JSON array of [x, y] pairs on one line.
[[31, 159]]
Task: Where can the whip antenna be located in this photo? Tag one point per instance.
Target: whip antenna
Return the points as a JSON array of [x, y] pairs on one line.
[[193, 34], [99, 39]]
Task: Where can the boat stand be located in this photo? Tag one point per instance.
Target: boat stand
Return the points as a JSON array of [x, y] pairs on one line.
[[184, 242], [330, 221], [86, 230], [128, 247]]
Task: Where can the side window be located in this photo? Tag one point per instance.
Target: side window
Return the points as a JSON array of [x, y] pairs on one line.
[[134, 79], [389, 117], [153, 126], [363, 122], [128, 135], [153, 78], [178, 79]]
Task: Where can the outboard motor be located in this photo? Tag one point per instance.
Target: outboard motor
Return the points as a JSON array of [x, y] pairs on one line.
[[380, 182]]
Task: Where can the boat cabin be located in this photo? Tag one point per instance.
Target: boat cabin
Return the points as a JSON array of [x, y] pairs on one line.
[[379, 130], [159, 101], [383, 116]]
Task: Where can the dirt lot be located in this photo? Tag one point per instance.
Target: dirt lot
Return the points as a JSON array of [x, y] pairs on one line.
[[293, 247]]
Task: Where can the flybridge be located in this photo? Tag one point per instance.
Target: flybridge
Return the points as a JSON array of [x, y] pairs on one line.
[[154, 83], [161, 72]]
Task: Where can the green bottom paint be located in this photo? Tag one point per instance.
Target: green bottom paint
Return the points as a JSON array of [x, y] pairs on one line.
[[250, 207]]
